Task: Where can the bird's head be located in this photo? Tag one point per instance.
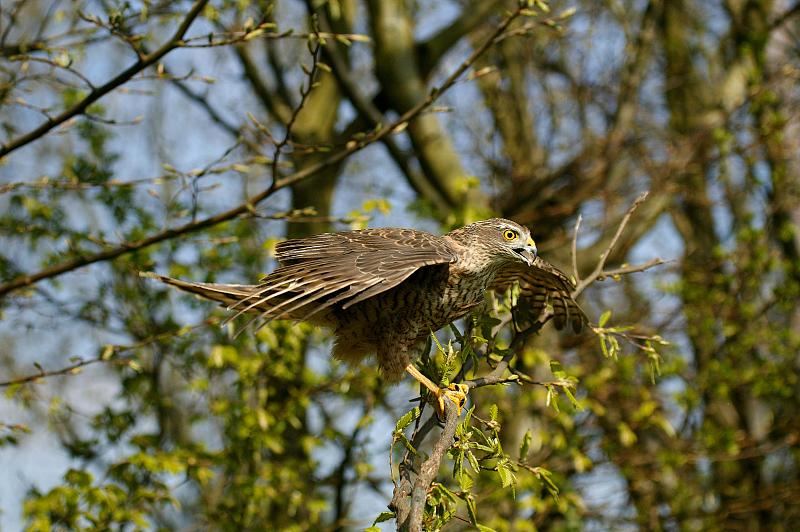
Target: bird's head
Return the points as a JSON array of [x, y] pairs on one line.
[[504, 239]]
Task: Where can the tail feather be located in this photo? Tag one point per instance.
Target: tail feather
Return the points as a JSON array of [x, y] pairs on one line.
[[267, 302], [226, 294]]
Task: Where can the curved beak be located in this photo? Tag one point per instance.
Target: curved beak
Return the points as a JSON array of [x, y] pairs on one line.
[[529, 252]]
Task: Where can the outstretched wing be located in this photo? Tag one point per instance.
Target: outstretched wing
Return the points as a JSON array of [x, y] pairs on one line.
[[341, 269], [539, 284]]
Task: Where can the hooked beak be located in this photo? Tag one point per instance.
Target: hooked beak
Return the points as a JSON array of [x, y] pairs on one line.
[[528, 253]]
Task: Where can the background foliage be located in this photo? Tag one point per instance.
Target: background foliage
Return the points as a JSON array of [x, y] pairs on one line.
[[187, 138]]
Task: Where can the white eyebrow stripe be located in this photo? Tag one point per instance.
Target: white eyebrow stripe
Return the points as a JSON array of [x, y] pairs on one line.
[[515, 229]]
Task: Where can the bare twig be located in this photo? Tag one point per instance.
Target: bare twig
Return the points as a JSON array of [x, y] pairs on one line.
[[598, 269], [305, 90], [203, 102], [783, 17], [575, 273], [241, 36], [55, 64], [370, 114], [45, 182], [632, 268], [143, 62], [110, 354]]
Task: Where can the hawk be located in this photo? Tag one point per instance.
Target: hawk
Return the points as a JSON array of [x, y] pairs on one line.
[[383, 291]]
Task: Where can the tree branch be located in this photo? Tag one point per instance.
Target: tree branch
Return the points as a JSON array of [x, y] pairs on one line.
[[371, 115], [598, 269], [110, 354], [278, 107], [203, 102], [474, 14], [430, 468], [145, 61]]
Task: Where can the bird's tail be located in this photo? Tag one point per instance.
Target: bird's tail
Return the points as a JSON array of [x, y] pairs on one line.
[[229, 295], [263, 302]]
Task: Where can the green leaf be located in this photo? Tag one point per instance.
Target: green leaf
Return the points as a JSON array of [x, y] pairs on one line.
[[604, 317], [399, 436], [525, 446], [472, 512], [626, 436], [438, 345], [484, 448], [464, 479], [556, 369], [473, 462], [506, 476], [447, 493], [575, 404], [406, 419], [484, 528], [78, 478], [459, 336], [604, 347], [383, 516], [545, 477]]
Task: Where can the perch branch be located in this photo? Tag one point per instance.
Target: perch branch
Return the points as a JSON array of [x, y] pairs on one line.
[[430, 467]]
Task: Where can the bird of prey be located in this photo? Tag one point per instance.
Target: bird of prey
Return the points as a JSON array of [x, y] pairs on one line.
[[383, 291]]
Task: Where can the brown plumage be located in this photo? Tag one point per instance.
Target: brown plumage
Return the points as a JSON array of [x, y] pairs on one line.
[[383, 291]]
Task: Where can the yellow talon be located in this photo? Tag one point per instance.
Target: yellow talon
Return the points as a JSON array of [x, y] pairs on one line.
[[456, 393]]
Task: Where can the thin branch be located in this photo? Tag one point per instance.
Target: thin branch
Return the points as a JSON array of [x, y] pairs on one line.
[[575, 273], [370, 114], [281, 92], [305, 91], [598, 270], [783, 17], [145, 61], [633, 268], [278, 107], [47, 61], [203, 102], [45, 182], [109, 354], [472, 16]]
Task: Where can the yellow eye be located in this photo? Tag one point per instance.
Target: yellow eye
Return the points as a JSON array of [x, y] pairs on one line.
[[510, 234]]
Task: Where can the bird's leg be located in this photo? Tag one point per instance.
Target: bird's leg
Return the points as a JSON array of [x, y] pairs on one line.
[[455, 392]]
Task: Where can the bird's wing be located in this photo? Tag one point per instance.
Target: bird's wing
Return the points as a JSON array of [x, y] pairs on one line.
[[341, 269], [539, 283]]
